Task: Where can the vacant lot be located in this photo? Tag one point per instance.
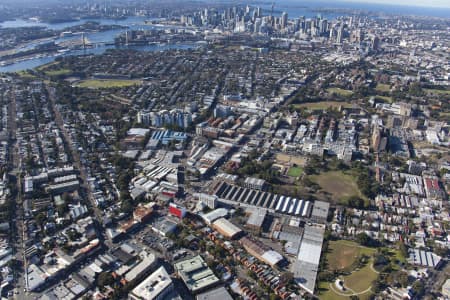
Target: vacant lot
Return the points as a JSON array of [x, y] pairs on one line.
[[340, 92], [338, 184], [295, 171], [322, 105], [106, 83], [285, 158]]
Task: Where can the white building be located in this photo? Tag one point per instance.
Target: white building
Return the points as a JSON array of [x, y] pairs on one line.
[[156, 286]]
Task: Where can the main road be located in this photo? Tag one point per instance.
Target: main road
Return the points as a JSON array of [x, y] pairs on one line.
[[77, 161], [18, 228]]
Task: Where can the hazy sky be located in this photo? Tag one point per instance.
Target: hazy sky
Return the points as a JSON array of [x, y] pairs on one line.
[[426, 3]]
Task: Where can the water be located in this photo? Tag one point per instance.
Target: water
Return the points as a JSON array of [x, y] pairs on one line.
[[296, 8], [134, 23], [36, 62]]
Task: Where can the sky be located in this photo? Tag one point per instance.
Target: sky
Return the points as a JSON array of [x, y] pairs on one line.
[[425, 3]]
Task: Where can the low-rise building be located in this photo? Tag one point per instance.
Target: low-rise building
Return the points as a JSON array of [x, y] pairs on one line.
[[156, 286], [196, 274]]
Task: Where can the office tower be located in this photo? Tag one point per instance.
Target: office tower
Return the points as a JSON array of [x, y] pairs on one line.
[[284, 19], [340, 35]]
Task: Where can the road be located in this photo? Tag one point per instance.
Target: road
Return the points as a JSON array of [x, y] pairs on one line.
[[77, 162], [18, 228]]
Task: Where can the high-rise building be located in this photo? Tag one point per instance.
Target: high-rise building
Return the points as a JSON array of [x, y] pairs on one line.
[[356, 36], [284, 20], [340, 34], [323, 26], [375, 43]]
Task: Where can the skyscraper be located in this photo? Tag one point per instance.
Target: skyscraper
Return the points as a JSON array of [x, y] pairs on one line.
[[284, 20], [340, 34]]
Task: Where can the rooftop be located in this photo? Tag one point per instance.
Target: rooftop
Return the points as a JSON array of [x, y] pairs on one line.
[[215, 294], [196, 274], [153, 285]]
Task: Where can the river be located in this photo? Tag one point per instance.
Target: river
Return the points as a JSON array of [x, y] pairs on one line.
[[133, 23]]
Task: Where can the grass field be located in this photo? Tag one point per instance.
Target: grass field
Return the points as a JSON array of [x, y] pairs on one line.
[[341, 256], [338, 184], [385, 98], [322, 105], [359, 281], [295, 171], [58, 72], [383, 87], [106, 83], [340, 92], [438, 92], [25, 74], [45, 66]]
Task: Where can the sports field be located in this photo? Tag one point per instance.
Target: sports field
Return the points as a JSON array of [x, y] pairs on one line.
[[295, 171]]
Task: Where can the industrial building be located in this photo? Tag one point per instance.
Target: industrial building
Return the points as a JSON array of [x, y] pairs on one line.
[[254, 183], [214, 215], [256, 219], [261, 251], [226, 228], [424, 258], [320, 211], [219, 293], [306, 267], [236, 195]]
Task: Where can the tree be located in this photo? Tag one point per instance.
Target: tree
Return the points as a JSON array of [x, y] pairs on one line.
[[355, 202], [286, 277], [273, 296], [403, 249], [363, 239], [41, 218], [418, 288], [104, 279], [402, 278]]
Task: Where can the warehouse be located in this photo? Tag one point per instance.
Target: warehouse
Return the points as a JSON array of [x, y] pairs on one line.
[[261, 251], [306, 267], [249, 197], [214, 215], [226, 228]]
